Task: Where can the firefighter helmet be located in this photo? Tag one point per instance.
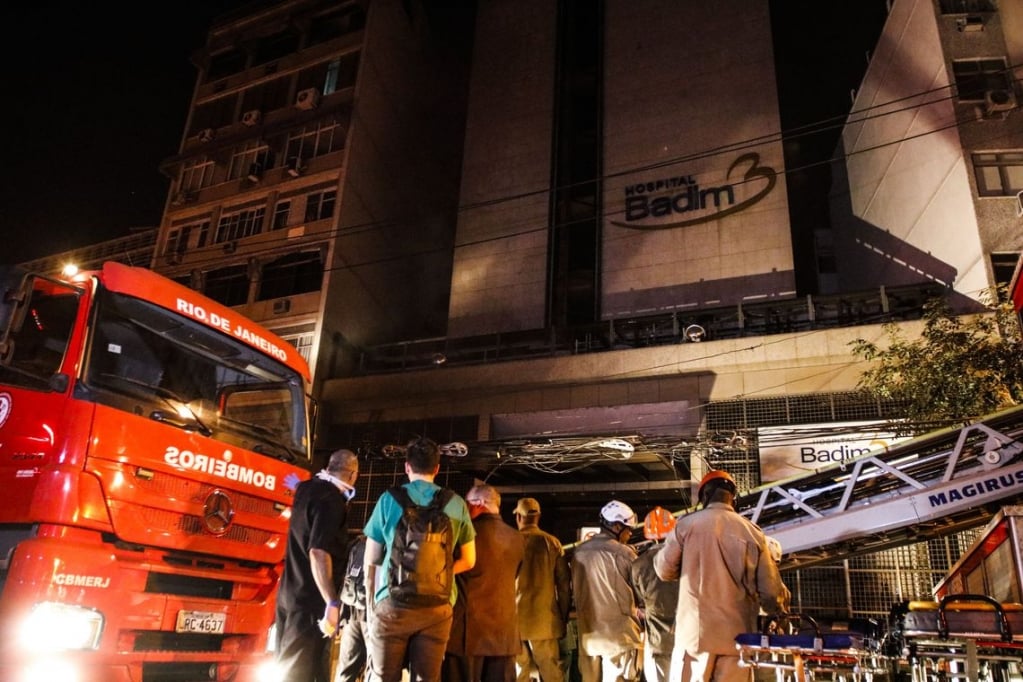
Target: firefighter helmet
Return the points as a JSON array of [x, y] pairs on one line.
[[617, 512], [658, 523], [723, 478]]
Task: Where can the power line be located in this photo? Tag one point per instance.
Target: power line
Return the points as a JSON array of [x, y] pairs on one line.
[[861, 116]]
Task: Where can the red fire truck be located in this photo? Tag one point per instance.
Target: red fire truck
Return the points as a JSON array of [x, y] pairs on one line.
[[150, 443]]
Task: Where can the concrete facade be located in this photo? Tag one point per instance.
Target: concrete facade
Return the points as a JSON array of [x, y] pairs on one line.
[[689, 131], [430, 186], [907, 204], [320, 163]]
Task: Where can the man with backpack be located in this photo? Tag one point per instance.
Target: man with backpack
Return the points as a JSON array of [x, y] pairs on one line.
[[410, 564]]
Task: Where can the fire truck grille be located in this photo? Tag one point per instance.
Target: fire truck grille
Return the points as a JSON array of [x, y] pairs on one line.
[[188, 586], [176, 487], [170, 641], [179, 672], [192, 525]]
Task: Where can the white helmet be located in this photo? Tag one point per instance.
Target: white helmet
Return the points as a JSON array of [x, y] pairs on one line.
[[618, 512]]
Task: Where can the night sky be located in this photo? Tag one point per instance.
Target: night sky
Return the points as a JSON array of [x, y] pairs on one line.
[[97, 98]]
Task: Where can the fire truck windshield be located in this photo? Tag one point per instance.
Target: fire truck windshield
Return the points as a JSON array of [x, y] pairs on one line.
[[148, 360]]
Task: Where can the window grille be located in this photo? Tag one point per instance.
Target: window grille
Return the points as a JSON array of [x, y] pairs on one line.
[[195, 174], [239, 224], [749, 413]]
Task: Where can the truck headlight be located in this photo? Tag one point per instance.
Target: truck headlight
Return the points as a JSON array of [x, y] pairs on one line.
[[53, 626], [271, 639]]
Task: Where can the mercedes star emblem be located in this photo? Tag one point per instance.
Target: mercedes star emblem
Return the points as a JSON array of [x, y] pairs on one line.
[[217, 512]]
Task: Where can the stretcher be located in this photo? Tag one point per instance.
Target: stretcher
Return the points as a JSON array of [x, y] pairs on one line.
[[967, 637], [812, 653]]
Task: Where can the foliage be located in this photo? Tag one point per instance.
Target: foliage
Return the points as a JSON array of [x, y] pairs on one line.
[[962, 367]]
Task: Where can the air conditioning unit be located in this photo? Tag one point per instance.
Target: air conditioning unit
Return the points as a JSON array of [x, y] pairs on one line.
[[282, 306], [999, 101], [307, 99], [230, 247], [173, 258], [255, 172], [253, 117], [206, 134], [295, 166]]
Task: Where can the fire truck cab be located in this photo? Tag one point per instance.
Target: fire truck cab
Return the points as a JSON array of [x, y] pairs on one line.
[[150, 443]]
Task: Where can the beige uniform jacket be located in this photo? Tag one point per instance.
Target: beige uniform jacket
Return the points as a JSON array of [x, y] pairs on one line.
[[725, 575], [543, 591], [605, 603]]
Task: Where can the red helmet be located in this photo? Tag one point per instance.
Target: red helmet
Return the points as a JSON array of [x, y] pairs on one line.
[[716, 475], [658, 523]]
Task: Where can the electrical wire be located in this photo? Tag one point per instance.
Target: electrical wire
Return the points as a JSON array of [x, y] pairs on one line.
[[854, 118]]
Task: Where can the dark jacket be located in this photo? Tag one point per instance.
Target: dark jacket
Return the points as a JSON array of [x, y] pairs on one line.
[[485, 621], [660, 601], [318, 520]]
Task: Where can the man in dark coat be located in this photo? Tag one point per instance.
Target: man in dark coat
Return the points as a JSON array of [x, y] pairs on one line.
[[314, 562], [485, 635]]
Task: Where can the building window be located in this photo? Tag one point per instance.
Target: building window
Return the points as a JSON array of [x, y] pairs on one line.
[[180, 237], [195, 174], [174, 242], [282, 210], [295, 273], [302, 342], [177, 241], [267, 96], [337, 23], [320, 205], [340, 73], [976, 77], [1003, 267], [274, 47], [314, 140], [999, 174], [966, 6], [229, 286], [251, 159], [204, 234], [214, 114], [225, 63], [239, 225]]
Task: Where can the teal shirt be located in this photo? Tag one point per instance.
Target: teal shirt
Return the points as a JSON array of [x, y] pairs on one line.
[[384, 520]]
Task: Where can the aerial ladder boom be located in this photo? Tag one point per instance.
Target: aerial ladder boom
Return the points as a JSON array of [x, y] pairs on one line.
[[933, 485]]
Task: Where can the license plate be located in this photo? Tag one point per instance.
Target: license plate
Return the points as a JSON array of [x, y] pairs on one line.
[[204, 622]]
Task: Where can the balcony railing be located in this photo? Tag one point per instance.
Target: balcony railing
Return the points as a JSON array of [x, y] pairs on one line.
[[748, 319]]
